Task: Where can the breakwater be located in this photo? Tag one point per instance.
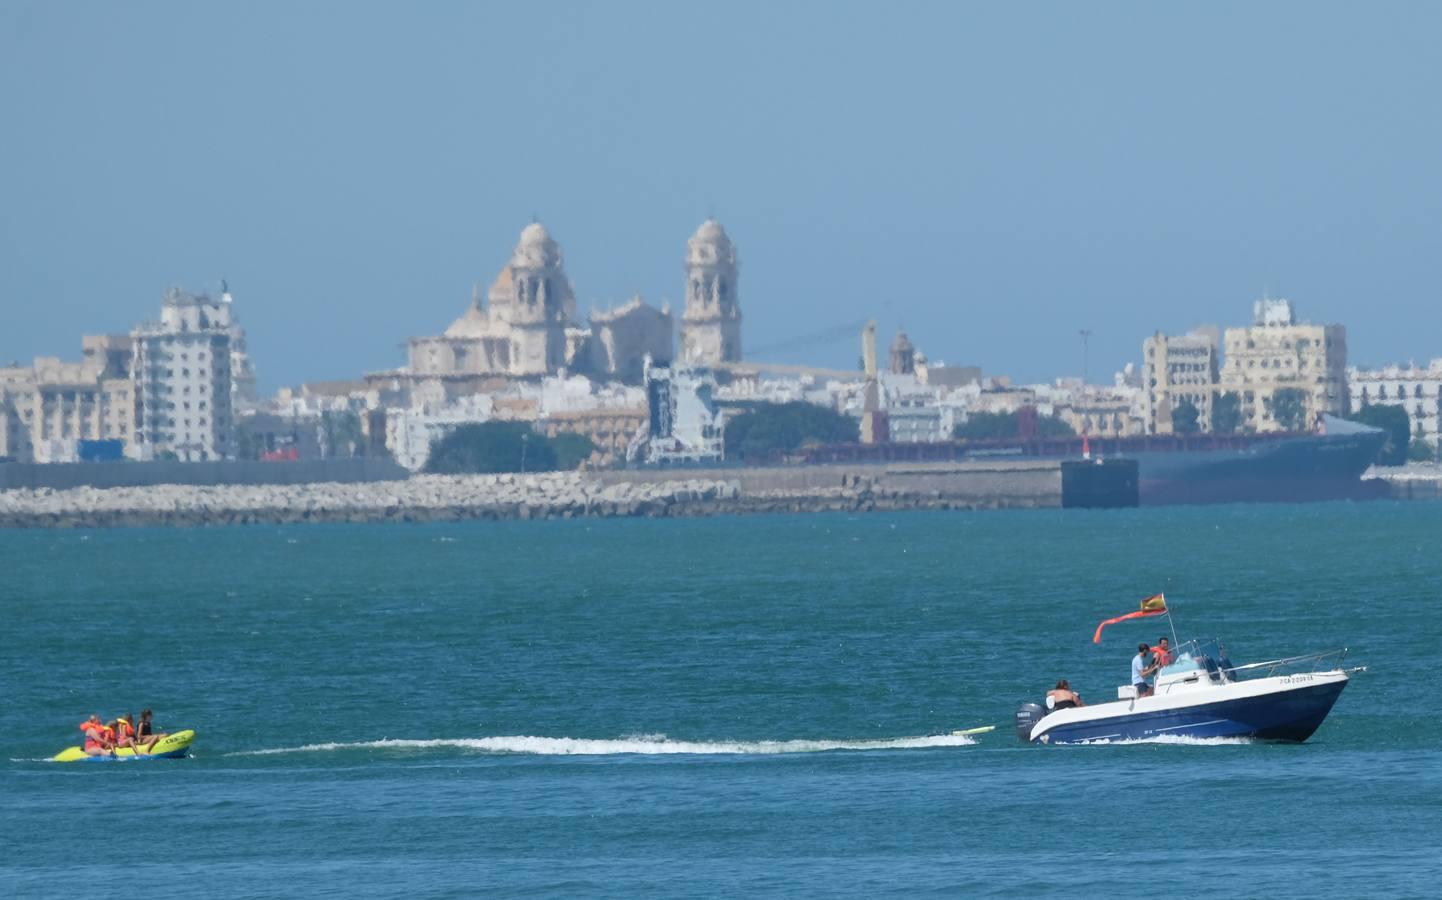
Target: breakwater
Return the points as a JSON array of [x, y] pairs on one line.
[[1414, 481], [550, 495]]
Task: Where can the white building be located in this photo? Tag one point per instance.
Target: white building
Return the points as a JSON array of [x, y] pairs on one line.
[[182, 373], [411, 432], [1415, 389], [684, 425]]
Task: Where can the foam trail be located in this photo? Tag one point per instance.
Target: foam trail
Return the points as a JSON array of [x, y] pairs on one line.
[[1179, 739], [636, 744]]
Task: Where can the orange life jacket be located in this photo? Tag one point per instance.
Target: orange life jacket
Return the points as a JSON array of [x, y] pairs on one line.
[[126, 731], [104, 734], [1163, 657]]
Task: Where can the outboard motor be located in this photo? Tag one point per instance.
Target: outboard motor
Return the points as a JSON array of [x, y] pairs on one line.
[[1027, 715]]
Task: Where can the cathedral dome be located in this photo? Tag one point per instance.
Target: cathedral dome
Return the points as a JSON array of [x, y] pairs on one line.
[[710, 245], [536, 249]]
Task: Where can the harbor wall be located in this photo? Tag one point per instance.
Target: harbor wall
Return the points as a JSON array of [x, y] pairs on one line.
[[676, 493], [1414, 481]]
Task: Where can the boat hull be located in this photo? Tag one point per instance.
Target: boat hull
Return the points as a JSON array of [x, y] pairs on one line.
[[1289, 713], [171, 746]]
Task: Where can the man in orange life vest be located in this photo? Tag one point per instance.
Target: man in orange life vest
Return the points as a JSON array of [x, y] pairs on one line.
[[99, 737]]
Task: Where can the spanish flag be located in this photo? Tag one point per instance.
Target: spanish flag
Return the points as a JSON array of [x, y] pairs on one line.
[[1155, 605]]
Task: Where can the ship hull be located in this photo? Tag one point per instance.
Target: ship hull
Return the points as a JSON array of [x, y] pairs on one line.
[[1291, 714], [1310, 467]]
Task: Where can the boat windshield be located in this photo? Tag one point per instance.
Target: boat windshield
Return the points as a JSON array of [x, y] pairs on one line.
[[1206, 654]]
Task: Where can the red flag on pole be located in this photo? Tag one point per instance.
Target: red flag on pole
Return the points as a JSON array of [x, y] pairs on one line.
[[1155, 605]]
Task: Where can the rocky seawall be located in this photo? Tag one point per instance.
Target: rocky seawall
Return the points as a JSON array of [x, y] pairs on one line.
[[433, 498]]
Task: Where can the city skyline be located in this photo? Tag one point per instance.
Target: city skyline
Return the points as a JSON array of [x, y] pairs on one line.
[[991, 183]]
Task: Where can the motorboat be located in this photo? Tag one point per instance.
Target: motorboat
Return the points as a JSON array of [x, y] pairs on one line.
[[1200, 694]]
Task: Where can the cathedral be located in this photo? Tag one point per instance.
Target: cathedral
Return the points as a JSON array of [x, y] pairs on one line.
[[711, 328], [526, 326]]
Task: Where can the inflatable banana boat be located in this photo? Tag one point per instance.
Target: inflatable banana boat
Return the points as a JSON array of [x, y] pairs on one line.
[[172, 746]]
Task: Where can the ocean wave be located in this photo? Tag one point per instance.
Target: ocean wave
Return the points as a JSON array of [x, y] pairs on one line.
[[647, 744]]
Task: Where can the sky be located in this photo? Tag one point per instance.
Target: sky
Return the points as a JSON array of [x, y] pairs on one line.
[[992, 178]]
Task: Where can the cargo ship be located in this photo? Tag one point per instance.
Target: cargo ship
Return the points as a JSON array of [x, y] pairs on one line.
[[1175, 469]]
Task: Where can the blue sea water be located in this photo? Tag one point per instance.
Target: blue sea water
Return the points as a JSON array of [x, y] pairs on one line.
[[716, 706]]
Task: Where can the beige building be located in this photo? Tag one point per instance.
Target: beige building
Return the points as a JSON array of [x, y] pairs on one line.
[[48, 408], [711, 327], [1176, 369], [519, 330], [1101, 414], [1276, 353], [526, 328], [610, 429], [620, 340]]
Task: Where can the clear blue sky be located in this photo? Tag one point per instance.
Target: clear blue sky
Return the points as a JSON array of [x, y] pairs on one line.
[[992, 177]]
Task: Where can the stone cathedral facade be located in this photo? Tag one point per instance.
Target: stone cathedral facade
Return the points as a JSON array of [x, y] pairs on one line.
[[711, 327]]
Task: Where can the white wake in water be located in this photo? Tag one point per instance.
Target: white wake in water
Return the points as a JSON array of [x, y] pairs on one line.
[[1178, 739], [642, 744]]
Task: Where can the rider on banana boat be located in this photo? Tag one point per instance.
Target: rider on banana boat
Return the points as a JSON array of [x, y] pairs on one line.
[[99, 737]]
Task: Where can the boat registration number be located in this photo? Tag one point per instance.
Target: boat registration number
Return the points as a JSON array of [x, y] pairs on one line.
[[1295, 679]]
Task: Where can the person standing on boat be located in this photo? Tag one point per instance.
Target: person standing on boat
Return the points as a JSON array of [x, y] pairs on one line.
[[1143, 668], [1163, 652]]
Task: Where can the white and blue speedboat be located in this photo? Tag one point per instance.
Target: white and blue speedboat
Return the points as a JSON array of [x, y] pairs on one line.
[[1202, 695]]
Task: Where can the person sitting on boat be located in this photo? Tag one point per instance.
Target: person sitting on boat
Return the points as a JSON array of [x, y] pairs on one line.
[[99, 739], [1143, 668], [1162, 652], [145, 732], [125, 732], [1063, 697]]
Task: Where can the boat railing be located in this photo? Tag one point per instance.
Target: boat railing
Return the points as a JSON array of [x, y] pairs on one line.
[[1325, 660]]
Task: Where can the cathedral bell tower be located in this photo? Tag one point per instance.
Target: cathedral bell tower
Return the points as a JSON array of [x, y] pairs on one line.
[[711, 327], [535, 297]]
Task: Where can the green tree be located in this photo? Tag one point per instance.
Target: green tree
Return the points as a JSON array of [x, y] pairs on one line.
[[491, 447], [985, 426], [1394, 421], [1185, 417], [1052, 426], [1421, 451], [571, 450], [1227, 413], [785, 428], [1289, 409]]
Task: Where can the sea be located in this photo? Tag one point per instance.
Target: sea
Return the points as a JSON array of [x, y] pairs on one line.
[[728, 706]]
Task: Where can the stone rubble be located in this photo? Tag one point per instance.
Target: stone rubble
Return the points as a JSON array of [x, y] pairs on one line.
[[426, 498]]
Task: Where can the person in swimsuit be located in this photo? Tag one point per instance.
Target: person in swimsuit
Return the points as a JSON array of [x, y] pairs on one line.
[[145, 732], [1063, 697]]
